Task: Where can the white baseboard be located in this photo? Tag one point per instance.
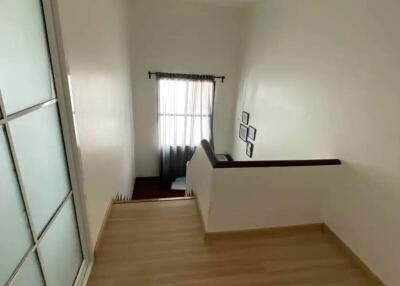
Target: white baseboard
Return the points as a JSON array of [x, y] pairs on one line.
[[87, 274]]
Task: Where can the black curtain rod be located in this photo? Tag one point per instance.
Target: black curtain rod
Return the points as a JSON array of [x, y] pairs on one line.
[[186, 76]]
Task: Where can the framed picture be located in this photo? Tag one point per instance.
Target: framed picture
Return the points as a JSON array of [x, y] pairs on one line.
[[252, 133], [245, 117], [243, 132], [249, 149]]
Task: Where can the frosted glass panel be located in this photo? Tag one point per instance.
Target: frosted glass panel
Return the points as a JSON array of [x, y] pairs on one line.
[[61, 249], [25, 73], [41, 156], [15, 236], [29, 273]]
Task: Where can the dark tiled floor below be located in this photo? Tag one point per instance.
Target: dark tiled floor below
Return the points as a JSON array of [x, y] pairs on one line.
[[152, 188]]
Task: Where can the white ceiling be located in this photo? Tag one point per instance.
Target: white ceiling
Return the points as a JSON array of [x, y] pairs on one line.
[[231, 3]]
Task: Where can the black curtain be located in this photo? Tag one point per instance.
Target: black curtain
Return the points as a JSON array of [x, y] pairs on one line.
[[173, 162]]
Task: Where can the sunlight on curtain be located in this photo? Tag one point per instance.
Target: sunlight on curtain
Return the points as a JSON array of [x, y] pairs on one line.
[[185, 112]]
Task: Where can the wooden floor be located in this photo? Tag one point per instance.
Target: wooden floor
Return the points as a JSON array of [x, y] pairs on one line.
[[161, 243]]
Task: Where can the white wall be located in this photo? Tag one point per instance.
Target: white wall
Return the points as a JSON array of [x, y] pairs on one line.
[[257, 198], [234, 199], [199, 180], [187, 37], [96, 42], [322, 79]]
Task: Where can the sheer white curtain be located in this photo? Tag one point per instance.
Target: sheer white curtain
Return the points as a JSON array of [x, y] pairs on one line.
[[185, 110]]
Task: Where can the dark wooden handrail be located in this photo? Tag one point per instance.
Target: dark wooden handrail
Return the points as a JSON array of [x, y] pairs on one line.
[[254, 164]]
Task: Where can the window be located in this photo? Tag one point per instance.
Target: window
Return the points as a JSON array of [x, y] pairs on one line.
[[185, 111]]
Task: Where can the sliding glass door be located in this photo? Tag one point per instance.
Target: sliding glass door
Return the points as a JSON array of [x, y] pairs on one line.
[[39, 236]]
